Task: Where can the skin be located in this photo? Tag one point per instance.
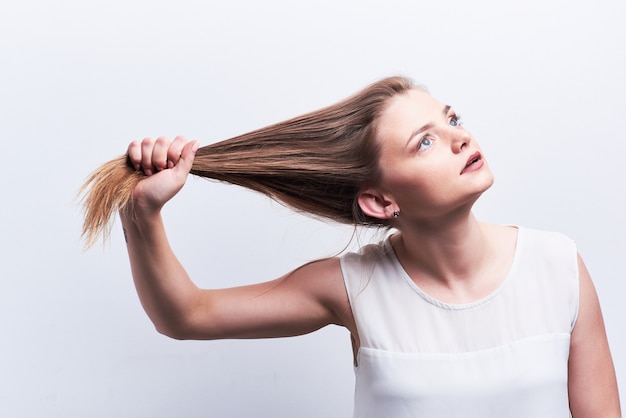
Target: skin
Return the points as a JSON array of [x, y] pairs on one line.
[[445, 250]]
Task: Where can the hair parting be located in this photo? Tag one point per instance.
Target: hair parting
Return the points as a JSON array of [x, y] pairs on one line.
[[315, 163]]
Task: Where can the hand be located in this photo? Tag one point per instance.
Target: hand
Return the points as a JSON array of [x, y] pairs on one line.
[[166, 164]]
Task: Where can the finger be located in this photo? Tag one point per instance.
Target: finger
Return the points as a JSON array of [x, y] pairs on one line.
[[159, 153], [176, 148], [147, 146], [134, 154]]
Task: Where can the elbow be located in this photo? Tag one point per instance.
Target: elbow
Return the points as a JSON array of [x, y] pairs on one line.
[[176, 331], [187, 324], [185, 330], [172, 333]]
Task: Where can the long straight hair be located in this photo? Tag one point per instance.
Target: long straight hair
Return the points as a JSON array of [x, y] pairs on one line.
[[315, 163]]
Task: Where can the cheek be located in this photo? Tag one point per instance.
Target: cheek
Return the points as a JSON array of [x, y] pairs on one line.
[[430, 186], [414, 185]]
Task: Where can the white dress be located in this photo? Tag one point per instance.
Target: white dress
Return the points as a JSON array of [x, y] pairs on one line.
[[503, 356]]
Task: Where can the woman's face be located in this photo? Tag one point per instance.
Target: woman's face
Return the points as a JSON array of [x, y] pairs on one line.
[[430, 164]]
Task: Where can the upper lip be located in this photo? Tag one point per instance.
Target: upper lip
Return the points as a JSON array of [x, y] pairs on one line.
[[472, 159]]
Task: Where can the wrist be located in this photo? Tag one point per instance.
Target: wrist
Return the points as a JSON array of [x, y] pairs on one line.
[[139, 221]]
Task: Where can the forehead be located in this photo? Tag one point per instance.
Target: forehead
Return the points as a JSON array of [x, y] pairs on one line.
[[407, 112]]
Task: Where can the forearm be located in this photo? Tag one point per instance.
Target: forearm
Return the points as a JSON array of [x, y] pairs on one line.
[[166, 292]]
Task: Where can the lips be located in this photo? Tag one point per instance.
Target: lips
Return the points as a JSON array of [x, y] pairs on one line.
[[474, 162]]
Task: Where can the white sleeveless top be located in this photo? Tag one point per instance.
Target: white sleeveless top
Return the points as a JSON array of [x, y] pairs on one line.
[[503, 356]]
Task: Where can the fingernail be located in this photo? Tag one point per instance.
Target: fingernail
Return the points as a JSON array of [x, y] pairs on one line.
[[195, 146]]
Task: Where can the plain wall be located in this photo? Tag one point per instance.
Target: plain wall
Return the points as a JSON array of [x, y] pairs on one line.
[[539, 83]]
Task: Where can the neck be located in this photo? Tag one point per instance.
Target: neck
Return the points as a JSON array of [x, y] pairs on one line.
[[447, 251]]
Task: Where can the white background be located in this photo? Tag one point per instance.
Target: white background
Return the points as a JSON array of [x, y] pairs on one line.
[[540, 83]]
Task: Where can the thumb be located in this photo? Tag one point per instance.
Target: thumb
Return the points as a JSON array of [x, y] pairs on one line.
[[187, 156]]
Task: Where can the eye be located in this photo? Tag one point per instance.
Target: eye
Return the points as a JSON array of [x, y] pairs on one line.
[[425, 143], [455, 120]]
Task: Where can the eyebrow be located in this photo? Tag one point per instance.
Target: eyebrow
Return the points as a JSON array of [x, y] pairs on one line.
[[416, 132]]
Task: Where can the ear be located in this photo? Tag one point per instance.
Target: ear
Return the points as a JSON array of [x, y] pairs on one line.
[[375, 204]]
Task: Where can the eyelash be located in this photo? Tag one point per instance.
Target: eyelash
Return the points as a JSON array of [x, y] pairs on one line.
[[453, 118], [421, 142], [457, 119]]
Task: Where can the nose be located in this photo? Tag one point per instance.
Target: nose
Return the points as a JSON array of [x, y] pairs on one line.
[[460, 138]]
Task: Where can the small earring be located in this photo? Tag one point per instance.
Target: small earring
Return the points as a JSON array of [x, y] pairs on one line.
[[396, 213]]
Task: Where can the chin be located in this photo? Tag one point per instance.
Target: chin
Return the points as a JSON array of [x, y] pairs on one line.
[[482, 186], [489, 182], [486, 178]]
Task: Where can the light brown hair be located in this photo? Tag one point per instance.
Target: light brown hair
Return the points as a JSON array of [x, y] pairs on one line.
[[315, 163]]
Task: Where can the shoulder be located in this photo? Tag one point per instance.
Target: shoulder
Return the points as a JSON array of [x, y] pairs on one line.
[[506, 233], [546, 250], [318, 274], [330, 289], [323, 281], [546, 236], [368, 254], [355, 265], [553, 250], [536, 243]]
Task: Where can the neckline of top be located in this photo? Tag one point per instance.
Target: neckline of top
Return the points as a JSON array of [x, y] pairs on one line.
[[457, 306]]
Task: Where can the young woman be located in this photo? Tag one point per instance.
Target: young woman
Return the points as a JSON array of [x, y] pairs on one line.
[[448, 316]]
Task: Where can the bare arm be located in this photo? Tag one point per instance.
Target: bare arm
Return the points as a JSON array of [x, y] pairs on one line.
[[592, 382], [305, 300]]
